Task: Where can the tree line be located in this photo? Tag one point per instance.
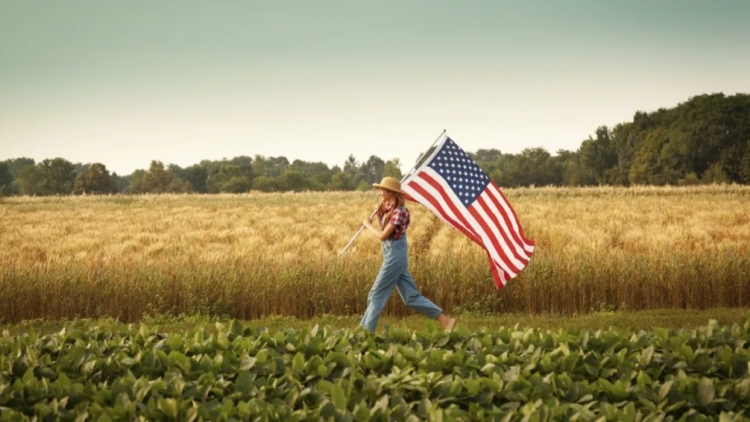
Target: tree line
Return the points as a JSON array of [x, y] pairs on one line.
[[705, 139]]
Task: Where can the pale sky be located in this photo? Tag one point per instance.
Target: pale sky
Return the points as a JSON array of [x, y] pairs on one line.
[[124, 83]]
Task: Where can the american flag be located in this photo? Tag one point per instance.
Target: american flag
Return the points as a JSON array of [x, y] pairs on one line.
[[451, 185]]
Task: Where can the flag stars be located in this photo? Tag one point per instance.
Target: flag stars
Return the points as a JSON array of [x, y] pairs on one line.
[[459, 172]]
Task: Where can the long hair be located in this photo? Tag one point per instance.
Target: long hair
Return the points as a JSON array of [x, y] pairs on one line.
[[400, 201]]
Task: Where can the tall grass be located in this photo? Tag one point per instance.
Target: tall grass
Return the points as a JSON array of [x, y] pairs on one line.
[[254, 255]]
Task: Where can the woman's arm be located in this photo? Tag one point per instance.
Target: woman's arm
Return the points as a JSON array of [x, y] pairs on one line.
[[380, 234]]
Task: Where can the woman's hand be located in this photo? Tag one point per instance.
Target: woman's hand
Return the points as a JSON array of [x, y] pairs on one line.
[[378, 211]]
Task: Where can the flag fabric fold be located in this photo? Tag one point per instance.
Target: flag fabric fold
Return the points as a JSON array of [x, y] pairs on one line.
[[451, 185]]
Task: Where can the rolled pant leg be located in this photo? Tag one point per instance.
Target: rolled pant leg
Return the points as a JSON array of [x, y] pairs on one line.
[[392, 268], [413, 298]]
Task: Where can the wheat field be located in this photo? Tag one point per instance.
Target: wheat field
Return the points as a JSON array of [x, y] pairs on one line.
[[254, 255]]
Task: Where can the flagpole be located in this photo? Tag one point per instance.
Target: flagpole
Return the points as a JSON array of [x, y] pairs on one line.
[[409, 173]]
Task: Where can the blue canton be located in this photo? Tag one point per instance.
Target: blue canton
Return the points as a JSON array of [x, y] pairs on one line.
[[464, 176]]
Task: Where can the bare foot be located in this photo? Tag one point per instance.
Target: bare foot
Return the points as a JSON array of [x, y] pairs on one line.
[[451, 324], [447, 323]]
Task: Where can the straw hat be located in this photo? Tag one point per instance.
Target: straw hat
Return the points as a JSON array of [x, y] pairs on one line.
[[391, 184]]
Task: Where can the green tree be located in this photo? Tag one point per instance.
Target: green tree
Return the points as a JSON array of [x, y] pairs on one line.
[[745, 165], [135, 184], [351, 165], [372, 169], [197, 176], [275, 166], [31, 181], [178, 171], [231, 178], [656, 160], [557, 166], [364, 187], [6, 180], [292, 179], [122, 183], [79, 168], [702, 139], [353, 168], [623, 140], [259, 164], [95, 180], [486, 155], [58, 176], [342, 181], [236, 184], [488, 160], [265, 184], [48, 177], [160, 180], [317, 174], [16, 164], [392, 168], [690, 179], [717, 128], [596, 157], [645, 164], [715, 174], [531, 167]]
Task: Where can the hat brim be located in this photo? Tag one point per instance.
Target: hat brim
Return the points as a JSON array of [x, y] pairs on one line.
[[378, 185]]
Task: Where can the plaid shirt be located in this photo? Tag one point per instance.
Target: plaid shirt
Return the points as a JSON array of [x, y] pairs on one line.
[[400, 218]]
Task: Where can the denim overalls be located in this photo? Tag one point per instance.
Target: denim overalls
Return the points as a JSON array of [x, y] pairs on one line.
[[394, 273]]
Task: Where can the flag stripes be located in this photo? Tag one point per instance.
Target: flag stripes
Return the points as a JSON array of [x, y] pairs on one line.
[[484, 215]]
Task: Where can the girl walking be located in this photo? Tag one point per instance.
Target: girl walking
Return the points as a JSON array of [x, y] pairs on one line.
[[393, 219]]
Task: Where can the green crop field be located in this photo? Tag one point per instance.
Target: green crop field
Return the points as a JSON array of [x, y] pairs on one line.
[[237, 372]]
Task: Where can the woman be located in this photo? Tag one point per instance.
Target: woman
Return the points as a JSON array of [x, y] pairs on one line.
[[393, 221]]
